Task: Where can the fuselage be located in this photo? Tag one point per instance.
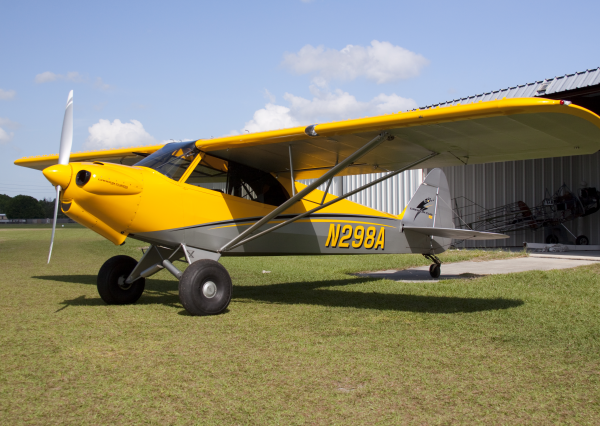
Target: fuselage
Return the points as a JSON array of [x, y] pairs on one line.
[[120, 201]]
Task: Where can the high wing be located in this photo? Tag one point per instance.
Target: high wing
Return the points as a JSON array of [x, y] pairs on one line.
[[126, 156], [502, 130]]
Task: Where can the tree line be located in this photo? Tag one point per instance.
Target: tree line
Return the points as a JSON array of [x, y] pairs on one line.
[[26, 207]]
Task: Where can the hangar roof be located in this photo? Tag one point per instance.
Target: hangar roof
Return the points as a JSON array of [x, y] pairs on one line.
[[577, 87]]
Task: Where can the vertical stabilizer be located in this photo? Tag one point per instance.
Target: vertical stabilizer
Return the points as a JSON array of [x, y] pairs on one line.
[[430, 206]]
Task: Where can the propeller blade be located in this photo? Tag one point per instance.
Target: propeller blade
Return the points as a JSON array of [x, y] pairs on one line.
[[66, 138], [54, 221], [66, 141]]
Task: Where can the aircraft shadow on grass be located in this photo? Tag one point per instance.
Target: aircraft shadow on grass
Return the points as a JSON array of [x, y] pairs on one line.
[[309, 293]]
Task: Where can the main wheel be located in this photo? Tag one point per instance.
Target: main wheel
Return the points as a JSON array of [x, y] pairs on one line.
[[435, 270], [205, 288], [551, 239], [582, 240], [111, 281]]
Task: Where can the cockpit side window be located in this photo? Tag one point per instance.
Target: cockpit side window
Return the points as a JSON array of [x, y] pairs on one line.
[[209, 173], [255, 185], [172, 160], [238, 180]]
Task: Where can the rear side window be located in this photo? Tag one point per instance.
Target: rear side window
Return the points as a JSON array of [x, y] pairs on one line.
[[238, 180]]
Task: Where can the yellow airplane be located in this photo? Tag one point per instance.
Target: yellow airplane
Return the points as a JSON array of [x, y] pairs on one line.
[[238, 196]]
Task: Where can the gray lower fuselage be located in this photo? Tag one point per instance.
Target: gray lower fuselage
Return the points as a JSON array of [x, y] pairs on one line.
[[321, 234]]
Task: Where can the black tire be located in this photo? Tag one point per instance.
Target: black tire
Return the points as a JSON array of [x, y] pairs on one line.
[[582, 240], [435, 270], [195, 289], [551, 239], [111, 281]]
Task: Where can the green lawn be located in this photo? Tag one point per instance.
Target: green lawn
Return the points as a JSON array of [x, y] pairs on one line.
[[308, 343], [13, 226]]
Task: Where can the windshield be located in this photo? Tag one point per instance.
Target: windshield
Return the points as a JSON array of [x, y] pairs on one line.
[[172, 160]]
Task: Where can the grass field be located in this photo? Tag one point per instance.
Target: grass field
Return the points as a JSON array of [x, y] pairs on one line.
[[307, 343], [13, 226]]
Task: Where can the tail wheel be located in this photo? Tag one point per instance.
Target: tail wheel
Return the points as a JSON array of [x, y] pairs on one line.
[[111, 281], [582, 240], [551, 239], [205, 288]]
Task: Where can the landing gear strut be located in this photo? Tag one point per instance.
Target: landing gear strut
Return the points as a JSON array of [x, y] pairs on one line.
[[205, 287], [435, 269]]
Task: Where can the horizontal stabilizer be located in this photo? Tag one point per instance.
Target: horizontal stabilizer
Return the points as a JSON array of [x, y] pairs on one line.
[[456, 234]]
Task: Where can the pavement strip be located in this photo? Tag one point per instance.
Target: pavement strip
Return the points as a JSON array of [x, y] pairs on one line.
[[470, 269]]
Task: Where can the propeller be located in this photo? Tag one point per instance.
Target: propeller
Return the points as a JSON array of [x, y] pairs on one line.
[[66, 140]]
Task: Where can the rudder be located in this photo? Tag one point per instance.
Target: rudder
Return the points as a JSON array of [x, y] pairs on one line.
[[431, 204]]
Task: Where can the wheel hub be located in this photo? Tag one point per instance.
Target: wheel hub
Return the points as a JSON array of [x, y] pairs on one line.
[[209, 289], [122, 283]]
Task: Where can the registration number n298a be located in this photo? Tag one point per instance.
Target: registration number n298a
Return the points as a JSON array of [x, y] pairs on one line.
[[356, 237]]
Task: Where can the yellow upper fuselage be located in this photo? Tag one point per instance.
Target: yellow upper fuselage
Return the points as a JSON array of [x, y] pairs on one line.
[[121, 200]]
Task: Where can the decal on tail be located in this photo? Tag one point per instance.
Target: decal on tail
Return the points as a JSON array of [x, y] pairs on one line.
[[430, 206], [422, 207]]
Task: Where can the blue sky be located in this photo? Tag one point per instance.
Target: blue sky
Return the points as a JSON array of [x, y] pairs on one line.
[[146, 72]]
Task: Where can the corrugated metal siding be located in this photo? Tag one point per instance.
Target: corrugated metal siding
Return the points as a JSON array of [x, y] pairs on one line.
[[496, 184], [390, 196], [539, 88]]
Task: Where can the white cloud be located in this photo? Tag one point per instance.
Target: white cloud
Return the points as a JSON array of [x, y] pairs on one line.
[[5, 122], [5, 137], [270, 96], [105, 134], [48, 76], [74, 77], [100, 84], [7, 95], [381, 61], [271, 117], [324, 106]]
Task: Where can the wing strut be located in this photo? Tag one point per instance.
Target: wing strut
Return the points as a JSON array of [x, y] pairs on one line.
[[329, 183], [300, 216], [332, 172], [326, 191], [292, 172], [233, 245]]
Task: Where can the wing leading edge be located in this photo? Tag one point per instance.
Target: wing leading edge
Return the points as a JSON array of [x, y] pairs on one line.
[[126, 156], [501, 130]]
